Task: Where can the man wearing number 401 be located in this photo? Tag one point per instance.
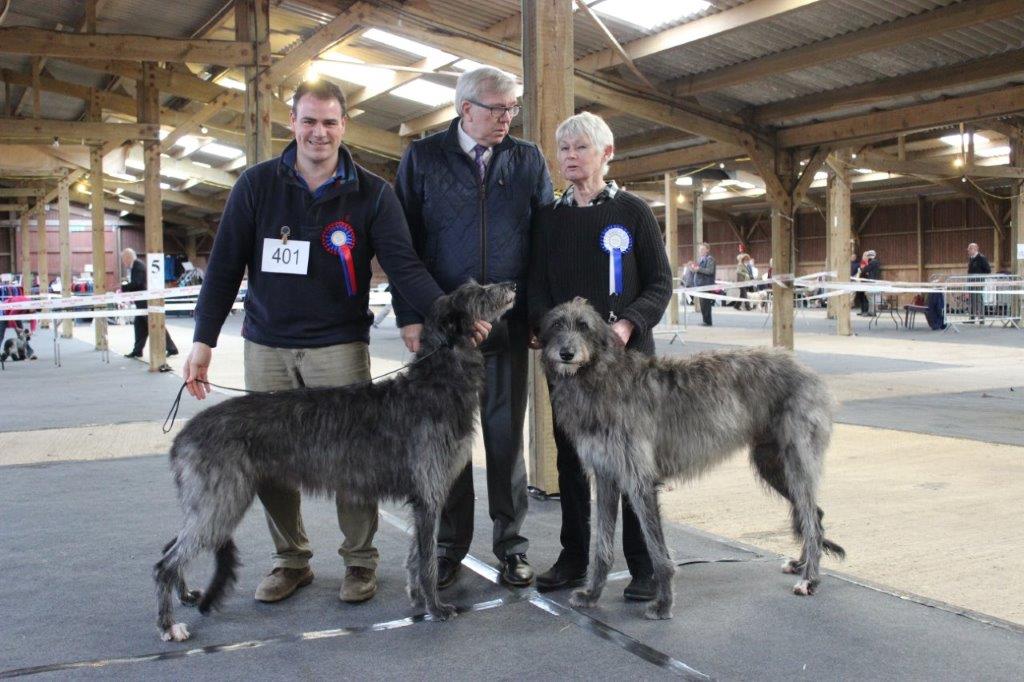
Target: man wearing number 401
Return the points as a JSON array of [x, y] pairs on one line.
[[306, 225], [469, 193]]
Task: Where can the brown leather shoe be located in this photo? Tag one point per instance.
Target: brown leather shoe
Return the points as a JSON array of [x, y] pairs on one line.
[[281, 583], [359, 585]]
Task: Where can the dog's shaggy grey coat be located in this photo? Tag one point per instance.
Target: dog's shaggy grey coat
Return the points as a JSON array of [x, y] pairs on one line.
[[637, 421], [406, 438]]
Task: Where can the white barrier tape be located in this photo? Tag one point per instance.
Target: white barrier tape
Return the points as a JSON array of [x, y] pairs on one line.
[[124, 312], [118, 297], [877, 286]]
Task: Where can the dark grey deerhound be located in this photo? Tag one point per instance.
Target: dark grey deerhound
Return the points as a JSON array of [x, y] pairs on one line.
[[637, 421], [405, 438]]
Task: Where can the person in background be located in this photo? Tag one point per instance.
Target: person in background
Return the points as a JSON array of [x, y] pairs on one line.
[[137, 282], [977, 264], [870, 269], [704, 270]]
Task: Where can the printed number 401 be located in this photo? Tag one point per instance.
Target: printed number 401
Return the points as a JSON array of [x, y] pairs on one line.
[[285, 256]]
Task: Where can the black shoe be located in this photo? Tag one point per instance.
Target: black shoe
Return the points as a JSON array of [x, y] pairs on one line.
[[133, 354], [516, 571], [447, 571], [561, 575], [172, 353], [640, 589]]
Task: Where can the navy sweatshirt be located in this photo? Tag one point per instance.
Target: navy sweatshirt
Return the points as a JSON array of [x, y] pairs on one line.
[[312, 310]]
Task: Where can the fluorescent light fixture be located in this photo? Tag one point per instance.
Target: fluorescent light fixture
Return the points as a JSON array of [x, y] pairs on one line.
[[127, 200], [989, 152], [351, 70], [684, 181], [649, 14], [954, 140], [123, 213], [656, 204], [164, 185], [404, 44], [222, 150], [864, 170], [425, 92], [745, 185], [717, 189], [231, 83], [821, 175], [201, 164]]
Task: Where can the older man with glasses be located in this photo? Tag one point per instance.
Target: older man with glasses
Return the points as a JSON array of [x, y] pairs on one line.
[[469, 193]]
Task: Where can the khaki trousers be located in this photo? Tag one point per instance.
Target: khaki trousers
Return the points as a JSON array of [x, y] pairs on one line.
[[274, 369]]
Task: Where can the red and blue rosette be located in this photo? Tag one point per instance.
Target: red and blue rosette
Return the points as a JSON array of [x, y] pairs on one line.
[[339, 238], [615, 241]]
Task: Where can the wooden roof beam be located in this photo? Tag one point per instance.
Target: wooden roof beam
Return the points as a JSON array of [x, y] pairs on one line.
[[45, 130], [27, 40], [889, 123], [654, 164], [699, 29], [881, 37]]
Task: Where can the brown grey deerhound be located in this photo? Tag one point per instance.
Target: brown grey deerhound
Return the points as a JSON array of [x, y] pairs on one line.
[[637, 421]]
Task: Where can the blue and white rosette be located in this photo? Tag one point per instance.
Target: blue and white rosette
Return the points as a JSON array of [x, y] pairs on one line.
[[615, 241]]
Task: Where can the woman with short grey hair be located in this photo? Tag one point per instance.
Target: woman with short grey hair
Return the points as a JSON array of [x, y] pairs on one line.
[[604, 244]]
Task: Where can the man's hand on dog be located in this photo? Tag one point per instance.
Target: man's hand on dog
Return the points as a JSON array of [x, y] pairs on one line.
[[411, 334], [196, 366], [623, 330]]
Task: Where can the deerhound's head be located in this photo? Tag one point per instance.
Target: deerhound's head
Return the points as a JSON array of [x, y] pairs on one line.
[[573, 336], [453, 316]]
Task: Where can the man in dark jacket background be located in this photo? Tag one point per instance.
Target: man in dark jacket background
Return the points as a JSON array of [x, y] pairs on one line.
[[137, 282], [469, 193], [704, 274], [306, 226], [977, 264]]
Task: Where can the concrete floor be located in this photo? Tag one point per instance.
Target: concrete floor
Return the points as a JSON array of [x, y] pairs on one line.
[[923, 487]]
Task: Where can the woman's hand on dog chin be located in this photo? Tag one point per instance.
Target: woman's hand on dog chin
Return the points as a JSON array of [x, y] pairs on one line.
[[196, 366], [411, 336], [481, 328], [623, 330]]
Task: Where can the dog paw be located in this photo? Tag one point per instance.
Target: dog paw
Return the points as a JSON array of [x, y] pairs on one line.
[[658, 611], [793, 567], [805, 588], [441, 611], [191, 598], [415, 596], [583, 599], [177, 633]]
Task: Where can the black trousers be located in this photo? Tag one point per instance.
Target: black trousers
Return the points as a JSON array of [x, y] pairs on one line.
[[142, 333], [574, 491], [502, 410], [705, 309], [860, 298]]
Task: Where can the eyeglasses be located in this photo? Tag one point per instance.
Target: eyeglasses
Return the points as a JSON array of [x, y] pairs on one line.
[[498, 112]]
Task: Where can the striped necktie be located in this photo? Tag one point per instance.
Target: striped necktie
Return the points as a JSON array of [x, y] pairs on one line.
[[479, 151]]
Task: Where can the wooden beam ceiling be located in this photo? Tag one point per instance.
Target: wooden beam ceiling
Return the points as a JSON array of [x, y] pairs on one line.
[[46, 130], [662, 162]]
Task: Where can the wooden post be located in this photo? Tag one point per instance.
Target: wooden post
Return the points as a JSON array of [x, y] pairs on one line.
[[920, 238], [672, 242], [67, 327], [698, 218], [838, 229], [24, 241], [782, 257], [252, 23], [99, 247], [548, 94], [1016, 207], [191, 252], [42, 253], [149, 112]]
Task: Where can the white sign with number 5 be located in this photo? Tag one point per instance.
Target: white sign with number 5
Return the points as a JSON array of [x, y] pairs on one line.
[[291, 258]]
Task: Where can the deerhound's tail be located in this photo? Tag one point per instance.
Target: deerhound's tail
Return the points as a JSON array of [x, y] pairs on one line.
[[224, 576], [829, 547]]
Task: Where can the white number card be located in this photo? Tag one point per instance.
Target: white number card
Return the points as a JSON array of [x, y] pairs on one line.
[[289, 258]]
